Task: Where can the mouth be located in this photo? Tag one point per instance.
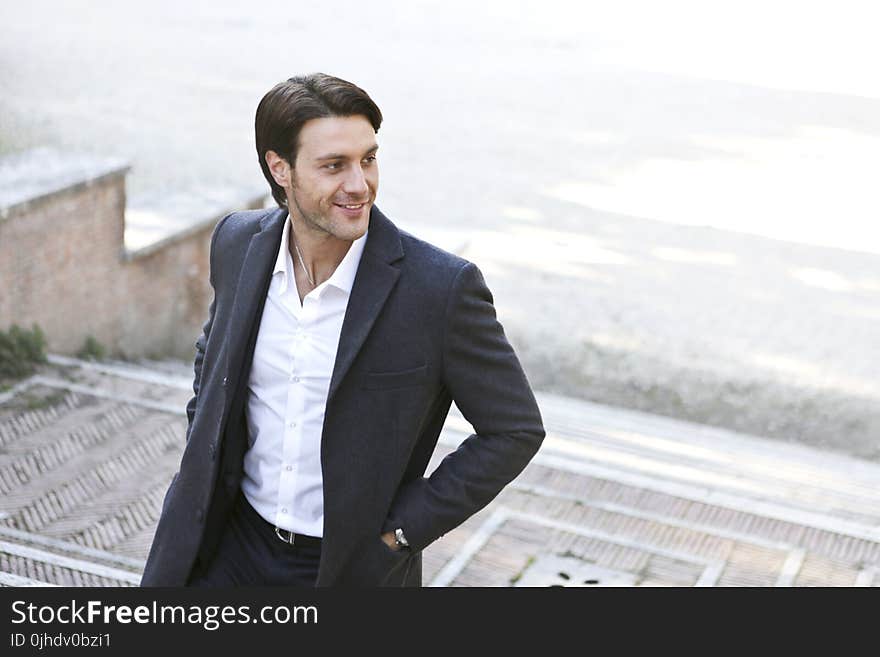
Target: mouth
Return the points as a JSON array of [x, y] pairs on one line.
[[351, 209]]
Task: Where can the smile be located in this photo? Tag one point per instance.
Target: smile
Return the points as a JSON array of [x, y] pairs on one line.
[[352, 210]]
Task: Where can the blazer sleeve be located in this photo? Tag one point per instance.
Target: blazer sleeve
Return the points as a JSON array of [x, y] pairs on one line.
[[487, 383], [202, 340]]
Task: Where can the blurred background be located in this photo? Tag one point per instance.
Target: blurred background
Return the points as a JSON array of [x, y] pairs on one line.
[[675, 206]]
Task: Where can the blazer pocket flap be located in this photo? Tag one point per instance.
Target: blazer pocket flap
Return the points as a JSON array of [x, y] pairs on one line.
[[399, 379]]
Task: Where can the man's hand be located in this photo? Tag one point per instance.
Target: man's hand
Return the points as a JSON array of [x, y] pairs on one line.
[[390, 541]]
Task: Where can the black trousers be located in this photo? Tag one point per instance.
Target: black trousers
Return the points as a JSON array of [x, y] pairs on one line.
[[250, 554]]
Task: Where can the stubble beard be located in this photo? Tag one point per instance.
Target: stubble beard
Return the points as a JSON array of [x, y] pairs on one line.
[[322, 224], [312, 221]]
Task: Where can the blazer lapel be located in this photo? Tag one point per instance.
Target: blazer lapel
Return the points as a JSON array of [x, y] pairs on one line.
[[375, 279], [253, 283]]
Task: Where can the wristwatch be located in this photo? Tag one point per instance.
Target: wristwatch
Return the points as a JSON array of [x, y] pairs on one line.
[[400, 539]]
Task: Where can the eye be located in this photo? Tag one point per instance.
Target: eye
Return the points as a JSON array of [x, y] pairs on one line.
[[333, 166], [370, 159]]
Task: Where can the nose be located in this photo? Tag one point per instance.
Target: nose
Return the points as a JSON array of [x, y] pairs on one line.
[[355, 183]]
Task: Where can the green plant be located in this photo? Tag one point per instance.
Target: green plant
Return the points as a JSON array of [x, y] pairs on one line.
[[91, 349], [33, 402], [518, 576], [21, 350]]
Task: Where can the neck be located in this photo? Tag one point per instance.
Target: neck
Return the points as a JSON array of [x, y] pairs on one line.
[[317, 252]]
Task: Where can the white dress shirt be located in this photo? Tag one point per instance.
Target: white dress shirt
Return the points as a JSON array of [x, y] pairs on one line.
[[287, 392]]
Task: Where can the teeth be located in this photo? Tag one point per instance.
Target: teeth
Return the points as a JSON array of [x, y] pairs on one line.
[[354, 207]]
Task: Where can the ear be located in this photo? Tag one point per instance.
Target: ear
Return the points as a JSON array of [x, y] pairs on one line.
[[279, 168]]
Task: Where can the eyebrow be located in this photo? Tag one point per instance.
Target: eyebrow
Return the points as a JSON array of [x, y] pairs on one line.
[[340, 156]]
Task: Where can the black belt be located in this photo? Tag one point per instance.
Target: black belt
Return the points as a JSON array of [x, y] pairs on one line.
[[297, 540], [283, 535]]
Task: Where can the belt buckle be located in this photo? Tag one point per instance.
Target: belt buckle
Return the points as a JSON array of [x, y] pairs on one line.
[[290, 535]]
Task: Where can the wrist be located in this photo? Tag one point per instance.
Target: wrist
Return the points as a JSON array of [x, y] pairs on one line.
[[388, 539], [396, 540]]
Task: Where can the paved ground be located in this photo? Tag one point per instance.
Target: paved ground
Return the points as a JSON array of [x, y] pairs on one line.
[[613, 498], [732, 330]]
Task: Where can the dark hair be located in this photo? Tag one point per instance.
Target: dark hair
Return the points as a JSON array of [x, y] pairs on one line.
[[284, 110]]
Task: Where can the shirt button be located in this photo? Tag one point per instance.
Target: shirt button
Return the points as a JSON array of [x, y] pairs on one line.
[[283, 510], [289, 468], [295, 379], [291, 424]]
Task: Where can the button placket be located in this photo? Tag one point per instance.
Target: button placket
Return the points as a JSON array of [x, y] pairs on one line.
[[293, 430]]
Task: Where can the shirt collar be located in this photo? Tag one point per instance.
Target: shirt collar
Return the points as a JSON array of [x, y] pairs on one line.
[[342, 277], [283, 262]]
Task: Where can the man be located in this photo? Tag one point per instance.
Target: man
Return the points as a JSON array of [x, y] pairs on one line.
[[334, 347]]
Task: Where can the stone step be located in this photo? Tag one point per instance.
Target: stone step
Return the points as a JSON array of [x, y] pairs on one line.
[[82, 485], [635, 536], [613, 498], [28, 559], [709, 462]]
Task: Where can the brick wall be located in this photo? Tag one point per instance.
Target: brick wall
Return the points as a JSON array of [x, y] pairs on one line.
[[165, 299], [64, 266]]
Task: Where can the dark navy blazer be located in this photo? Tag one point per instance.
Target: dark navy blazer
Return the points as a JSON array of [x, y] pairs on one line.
[[419, 332]]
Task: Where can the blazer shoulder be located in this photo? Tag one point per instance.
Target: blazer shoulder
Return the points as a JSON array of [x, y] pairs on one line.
[[431, 259], [240, 223], [438, 274], [235, 229]]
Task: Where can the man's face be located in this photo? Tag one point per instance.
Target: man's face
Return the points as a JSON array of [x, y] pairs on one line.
[[333, 182]]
